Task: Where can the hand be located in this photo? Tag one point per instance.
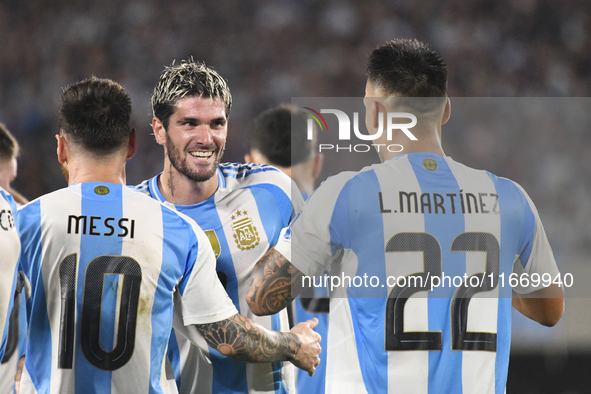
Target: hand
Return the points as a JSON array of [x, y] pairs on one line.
[[19, 374], [307, 357]]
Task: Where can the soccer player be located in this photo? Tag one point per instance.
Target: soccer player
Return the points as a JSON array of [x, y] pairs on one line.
[[10, 246], [103, 263], [278, 137], [242, 209], [417, 214], [9, 151], [17, 331], [273, 142]]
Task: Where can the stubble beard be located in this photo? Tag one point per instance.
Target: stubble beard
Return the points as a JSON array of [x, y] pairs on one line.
[[180, 163]]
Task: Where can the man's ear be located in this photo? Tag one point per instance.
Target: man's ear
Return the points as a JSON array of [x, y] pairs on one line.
[[159, 131], [248, 158], [132, 145], [62, 149], [446, 112], [377, 110], [318, 162]]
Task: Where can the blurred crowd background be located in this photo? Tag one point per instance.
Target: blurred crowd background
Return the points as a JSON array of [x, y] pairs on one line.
[[270, 51]]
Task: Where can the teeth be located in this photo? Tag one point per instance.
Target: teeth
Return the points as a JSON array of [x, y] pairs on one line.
[[203, 155]]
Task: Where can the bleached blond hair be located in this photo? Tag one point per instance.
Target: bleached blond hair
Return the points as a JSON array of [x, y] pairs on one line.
[[187, 79]]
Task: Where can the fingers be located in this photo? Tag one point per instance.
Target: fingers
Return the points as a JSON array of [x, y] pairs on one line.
[[313, 369], [312, 322]]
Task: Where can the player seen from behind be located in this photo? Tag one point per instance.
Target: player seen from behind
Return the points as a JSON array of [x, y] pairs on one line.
[[418, 213]]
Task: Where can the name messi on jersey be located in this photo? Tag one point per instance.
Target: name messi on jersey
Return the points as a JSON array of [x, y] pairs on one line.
[[412, 202], [124, 226]]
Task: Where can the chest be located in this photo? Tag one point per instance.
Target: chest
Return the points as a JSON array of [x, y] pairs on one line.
[[241, 228]]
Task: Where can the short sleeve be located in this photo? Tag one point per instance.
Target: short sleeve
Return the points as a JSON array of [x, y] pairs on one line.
[[535, 254], [203, 298], [307, 242]]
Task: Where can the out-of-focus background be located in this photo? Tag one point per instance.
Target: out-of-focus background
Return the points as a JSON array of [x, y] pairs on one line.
[[270, 51]]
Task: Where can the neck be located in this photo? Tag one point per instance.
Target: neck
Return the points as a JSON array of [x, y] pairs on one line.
[[176, 188], [88, 170], [428, 140], [303, 176]]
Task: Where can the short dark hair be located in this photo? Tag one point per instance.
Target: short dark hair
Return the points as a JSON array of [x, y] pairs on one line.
[[408, 68], [96, 114], [188, 79], [8, 145], [279, 134]]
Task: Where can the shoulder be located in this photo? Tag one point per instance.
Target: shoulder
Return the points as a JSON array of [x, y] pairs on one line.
[[510, 193], [336, 183], [250, 173], [58, 197], [237, 175], [145, 187], [8, 199], [508, 188], [173, 218]]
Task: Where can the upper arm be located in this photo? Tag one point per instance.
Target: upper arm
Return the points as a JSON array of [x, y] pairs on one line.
[[542, 304]]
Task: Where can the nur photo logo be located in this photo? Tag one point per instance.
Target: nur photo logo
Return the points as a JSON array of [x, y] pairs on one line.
[[393, 122]]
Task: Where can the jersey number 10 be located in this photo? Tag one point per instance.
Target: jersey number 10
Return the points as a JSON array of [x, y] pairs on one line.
[[91, 311]]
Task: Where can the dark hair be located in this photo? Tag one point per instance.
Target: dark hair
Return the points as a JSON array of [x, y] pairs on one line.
[[96, 114], [8, 145], [187, 79], [408, 68], [279, 134]]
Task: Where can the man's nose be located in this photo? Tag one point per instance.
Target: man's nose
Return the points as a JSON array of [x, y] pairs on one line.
[[204, 135]]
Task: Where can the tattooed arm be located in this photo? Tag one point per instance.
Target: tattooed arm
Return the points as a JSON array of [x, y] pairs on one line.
[[274, 283], [241, 338]]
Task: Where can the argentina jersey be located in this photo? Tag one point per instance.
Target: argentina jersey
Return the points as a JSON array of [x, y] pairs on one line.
[[102, 263], [15, 344], [314, 303], [242, 220], [391, 229], [10, 247]]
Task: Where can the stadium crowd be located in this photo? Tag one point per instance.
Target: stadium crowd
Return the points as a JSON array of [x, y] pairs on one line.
[[272, 51], [506, 59]]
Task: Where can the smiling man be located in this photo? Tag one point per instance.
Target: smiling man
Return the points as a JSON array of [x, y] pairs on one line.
[[242, 209]]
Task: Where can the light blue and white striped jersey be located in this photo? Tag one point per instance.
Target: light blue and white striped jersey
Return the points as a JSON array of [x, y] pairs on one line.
[[243, 219], [102, 263], [10, 247], [15, 344], [423, 216], [313, 304]]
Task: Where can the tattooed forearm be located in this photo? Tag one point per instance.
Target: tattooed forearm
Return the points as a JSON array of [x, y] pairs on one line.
[[241, 338], [274, 283]]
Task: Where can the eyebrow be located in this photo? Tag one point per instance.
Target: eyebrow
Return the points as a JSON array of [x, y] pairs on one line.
[[196, 120]]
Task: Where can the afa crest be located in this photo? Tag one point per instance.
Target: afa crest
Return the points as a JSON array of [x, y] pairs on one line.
[[245, 233]]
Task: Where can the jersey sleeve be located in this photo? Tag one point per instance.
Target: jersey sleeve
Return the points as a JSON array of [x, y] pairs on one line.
[[10, 247], [309, 242], [202, 297], [297, 201], [535, 254]]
